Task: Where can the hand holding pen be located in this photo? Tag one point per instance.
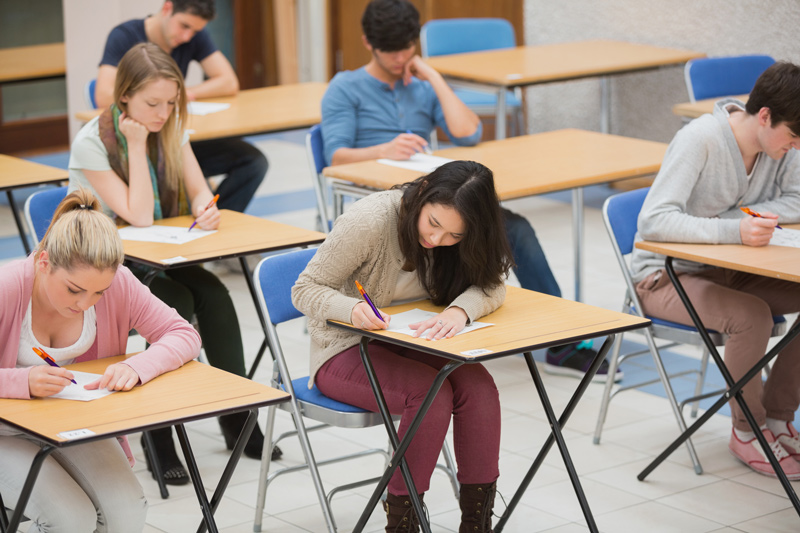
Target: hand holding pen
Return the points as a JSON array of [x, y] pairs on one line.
[[425, 147], [209, 206], [759, 215], [758, 228], [45, 381], [366, 320]]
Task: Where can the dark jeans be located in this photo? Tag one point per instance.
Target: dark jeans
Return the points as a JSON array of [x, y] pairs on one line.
[[532, 270], [243, 164], [194, 291]]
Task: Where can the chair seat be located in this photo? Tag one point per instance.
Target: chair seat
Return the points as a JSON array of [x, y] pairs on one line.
[[314, 396], [477, 98]]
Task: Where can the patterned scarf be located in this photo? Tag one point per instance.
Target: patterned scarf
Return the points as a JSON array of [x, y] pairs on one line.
[[168, 202]]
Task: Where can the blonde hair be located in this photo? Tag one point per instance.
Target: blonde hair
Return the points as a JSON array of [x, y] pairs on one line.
[[142, 64], [82, 235]]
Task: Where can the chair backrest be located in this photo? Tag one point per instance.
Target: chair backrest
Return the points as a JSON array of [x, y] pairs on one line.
[[88, 93], [275, 276], [620, 213], [316, 162], [39, 209], [712, 77], [454, 36]]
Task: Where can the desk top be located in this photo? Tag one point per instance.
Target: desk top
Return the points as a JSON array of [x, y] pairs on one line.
[[32, 62], [191, 392], [532, 164], [267, 109], [779, 262], [701, 107], [526, 321], [15, 172], [529, 65], [239, 235]]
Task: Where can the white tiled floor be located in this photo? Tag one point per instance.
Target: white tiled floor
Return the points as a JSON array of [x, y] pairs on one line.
[[727, 497]]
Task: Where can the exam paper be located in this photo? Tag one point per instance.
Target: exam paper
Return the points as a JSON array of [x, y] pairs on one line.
[[165, 234], [786, 237], [420, 162], [77, 392], [400, 322], [205, 108]]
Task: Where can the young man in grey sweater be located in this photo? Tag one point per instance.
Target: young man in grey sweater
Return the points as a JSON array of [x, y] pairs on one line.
[[739, 156]]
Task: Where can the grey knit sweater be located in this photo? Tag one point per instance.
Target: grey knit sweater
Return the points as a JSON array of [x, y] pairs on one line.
[[363, 246], [702, 184]]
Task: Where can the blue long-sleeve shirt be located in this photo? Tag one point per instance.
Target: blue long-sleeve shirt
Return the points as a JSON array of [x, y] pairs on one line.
[[359, 111]]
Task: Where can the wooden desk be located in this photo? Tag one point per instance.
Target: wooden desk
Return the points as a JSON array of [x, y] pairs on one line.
[[500, 70], [32, 62], [526, 321], [690, 110], [772, 261], [239, 235], [525, 166], [268, 109], [16, 173], [192, 392]]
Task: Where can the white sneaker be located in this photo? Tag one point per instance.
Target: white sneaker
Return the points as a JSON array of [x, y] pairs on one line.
[[790, 441]]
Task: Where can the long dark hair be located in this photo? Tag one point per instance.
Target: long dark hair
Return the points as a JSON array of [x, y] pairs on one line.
[[482, 257]]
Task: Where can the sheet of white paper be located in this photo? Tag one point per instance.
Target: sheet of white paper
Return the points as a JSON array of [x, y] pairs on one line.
[[205, 108], [165, 234], [400, 322], [786, 237], [419, 162], [77, 392]]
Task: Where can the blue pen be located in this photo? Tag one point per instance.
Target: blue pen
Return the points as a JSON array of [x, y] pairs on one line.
[[47, 359], [426, 148]]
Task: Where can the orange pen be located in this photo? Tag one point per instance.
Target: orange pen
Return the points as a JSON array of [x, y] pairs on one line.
[[212, 202], [754, 214], [49, 360]]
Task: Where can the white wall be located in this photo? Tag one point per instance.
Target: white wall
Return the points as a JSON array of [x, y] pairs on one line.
[[86, 26], [641, 103]]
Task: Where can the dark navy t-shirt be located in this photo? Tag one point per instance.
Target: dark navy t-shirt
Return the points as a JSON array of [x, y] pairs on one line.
[[126, 35]]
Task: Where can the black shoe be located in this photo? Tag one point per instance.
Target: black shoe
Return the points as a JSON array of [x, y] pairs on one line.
[[574, 360], [231, 428], [172, 471]]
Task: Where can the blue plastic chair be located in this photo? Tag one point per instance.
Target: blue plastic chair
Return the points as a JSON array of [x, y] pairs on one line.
[[274, 278], [620, 215], [316, 162], [88, 93], [460, 35], [714, 77], [39, 210]]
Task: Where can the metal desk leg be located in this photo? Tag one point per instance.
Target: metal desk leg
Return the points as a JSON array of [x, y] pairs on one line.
[[227, 474], [400, 447], [251, 286], [500, 114], [577, 240], [27, 488], [734, 388], [18, 221], [555, 436], [605, 105]]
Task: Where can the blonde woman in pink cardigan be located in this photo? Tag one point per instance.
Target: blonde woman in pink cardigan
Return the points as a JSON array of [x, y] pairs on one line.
[[73, 298]]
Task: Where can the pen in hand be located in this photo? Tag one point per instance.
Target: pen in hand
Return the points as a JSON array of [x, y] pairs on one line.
[[426, 148], [49, 360], [210, 204], [754, 214], [367, 299]]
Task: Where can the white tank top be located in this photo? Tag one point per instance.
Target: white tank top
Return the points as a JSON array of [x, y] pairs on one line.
[[63, 356]]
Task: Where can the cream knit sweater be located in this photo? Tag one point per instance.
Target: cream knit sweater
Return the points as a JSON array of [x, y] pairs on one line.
[[363, 246]]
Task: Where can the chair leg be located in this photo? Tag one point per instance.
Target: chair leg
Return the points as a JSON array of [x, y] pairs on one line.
[[266, 458], [612, 370], [701, 379], [662, 374], [450, 469]]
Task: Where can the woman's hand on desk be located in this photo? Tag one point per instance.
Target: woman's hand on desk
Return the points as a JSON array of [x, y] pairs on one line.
[[118, 376], [442, 326], [45, 380], [207, 219], [362, 316]]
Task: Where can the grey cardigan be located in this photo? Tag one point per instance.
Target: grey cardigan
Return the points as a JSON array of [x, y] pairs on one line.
[[702, 184], [363, 246]]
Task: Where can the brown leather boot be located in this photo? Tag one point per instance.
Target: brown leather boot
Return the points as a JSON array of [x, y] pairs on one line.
[[477, 502], [400, 515]]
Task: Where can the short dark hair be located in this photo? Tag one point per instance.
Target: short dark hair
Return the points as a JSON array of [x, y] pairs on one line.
[[482, 257], [390, 25], [778, 88], [201, 8]]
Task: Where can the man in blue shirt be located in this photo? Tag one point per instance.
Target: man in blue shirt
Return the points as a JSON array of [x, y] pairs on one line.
[[388, 108], [179, 29]]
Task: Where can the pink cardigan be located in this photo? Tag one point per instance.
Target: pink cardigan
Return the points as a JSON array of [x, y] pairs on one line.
[[126, 305]]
